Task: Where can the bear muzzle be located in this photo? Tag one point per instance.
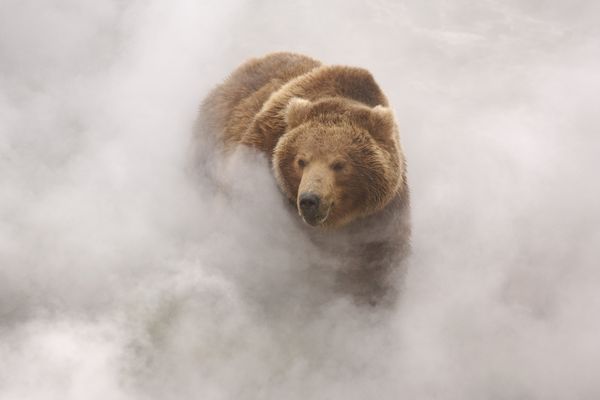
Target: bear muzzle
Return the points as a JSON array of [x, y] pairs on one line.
[[313, 210]]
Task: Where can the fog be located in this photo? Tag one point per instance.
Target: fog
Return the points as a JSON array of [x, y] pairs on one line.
[[124, 276]]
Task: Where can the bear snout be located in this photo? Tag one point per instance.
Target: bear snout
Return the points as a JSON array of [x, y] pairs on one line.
[[309, 203], [312, 208]]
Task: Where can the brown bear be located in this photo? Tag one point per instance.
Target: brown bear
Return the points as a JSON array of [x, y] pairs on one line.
[[335, 153]]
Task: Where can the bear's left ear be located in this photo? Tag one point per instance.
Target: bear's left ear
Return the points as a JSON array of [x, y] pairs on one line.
[[381, 123], [296, 111]]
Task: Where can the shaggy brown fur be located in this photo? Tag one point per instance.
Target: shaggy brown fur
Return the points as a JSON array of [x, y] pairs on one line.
[[336, 155]]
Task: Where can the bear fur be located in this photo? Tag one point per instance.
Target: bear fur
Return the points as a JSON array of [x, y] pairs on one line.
[[335, 153]]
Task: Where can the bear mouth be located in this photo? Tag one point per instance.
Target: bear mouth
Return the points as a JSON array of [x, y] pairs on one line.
[[317, 219]]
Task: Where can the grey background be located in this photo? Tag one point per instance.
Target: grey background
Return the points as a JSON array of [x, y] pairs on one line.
[[122, 278]]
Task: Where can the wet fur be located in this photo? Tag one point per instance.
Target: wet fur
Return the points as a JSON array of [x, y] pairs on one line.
[[270, 104]]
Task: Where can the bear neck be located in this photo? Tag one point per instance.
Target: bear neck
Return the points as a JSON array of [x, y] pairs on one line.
[[355, 85]]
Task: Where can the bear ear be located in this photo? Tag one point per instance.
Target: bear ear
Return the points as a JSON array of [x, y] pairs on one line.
[[381, 123], [296, 111]]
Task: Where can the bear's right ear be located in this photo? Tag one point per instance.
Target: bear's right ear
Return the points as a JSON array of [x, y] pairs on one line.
[[382, 124], [296, 111]]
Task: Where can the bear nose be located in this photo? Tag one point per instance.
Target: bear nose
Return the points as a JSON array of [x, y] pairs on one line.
[[309, 202]]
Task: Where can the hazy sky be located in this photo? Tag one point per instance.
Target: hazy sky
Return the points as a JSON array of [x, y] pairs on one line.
[[122, 277]]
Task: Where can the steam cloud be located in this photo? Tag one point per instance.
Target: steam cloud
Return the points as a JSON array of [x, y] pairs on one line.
[[123, 277]]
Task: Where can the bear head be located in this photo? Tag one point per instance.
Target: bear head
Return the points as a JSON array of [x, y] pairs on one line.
[[339, 160]]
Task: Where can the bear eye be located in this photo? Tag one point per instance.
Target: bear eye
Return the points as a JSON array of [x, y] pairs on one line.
[[301, 162], [337, 166]]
